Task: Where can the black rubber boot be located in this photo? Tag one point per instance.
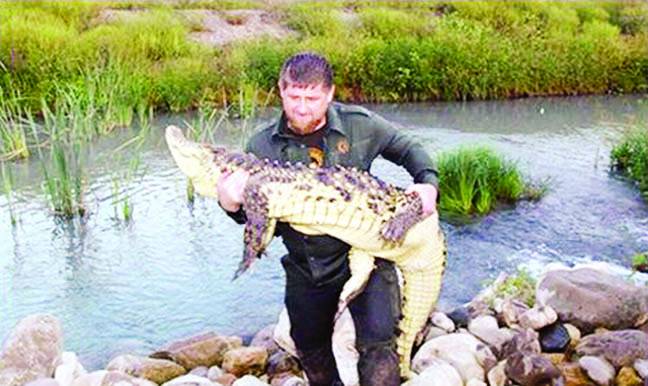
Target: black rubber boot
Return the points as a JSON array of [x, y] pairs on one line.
[[320, 368], [378, 365]]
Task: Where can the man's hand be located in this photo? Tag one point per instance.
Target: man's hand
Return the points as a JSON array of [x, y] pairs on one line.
[[230, 189], [428, 194]]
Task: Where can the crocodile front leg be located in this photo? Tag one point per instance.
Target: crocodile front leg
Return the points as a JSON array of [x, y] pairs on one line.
[[361, 264], [259, 227]]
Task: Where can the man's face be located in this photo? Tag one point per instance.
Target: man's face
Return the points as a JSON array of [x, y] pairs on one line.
[[305, 106]]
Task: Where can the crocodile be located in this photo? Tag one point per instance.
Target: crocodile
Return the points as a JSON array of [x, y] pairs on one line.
[[375, 218]]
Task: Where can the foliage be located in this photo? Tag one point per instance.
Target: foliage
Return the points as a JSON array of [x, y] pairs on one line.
[[474, 180], [640, 262], [64, 181], [519, 286], [630, 158]]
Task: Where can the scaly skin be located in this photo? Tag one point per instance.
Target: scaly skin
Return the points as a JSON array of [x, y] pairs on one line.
[[376, 219]]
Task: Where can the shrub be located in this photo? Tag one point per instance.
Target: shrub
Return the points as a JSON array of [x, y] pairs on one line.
[[630, 158], [473, 180]]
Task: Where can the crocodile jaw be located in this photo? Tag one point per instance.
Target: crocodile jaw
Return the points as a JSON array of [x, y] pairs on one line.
[[195, 160]]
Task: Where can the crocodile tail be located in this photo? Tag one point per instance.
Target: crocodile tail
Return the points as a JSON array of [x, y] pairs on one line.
[[195, 160], [421, 288]]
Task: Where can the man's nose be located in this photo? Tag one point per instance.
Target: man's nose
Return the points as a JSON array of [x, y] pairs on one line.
[[301, 106]]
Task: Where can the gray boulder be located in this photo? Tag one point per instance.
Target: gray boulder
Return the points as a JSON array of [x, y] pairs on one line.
[[620, 348], [589, 298]]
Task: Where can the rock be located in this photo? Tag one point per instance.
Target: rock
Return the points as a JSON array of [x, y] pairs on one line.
[[574, 375], [523, 341], [226, 379], [200, 371], [555, 358], [288, 379], [249, 380], [485, 328], [574, 334], [438, 373], [156, 370], [511, 311], [621, 348], [200, 350], [627, 376], [245, 360], [44, 382], [466, 353], [497, 376], [530, 369], [598, 369], [641, 365], [479, 307], [190, 380], [460, 316], [590, 298], [265, 338], [69, 369], [31, 351], [213, 373], [433, 332], [554, 338], [346, 355], [110, 378], [538, 317], [441, 320], [282, 362]]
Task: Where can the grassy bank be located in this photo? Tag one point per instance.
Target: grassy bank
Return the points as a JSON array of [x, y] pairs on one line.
[[630, 158], [429, 51]]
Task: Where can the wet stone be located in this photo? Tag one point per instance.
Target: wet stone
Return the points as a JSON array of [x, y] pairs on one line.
[[554, 338], [282, 362], [460, 316]]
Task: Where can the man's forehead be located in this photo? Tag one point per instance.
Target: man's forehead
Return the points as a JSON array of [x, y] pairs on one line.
[[307, 87]]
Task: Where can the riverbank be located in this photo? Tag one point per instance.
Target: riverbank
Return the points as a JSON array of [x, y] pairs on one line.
[[553, 331], [121, 57]]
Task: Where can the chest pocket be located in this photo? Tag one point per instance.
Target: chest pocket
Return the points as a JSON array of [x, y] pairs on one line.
[[294, 153]]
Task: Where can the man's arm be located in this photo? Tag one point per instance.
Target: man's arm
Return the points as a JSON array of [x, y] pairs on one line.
[[402, 150]]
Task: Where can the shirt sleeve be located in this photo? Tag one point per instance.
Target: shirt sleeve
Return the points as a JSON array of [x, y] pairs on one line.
[[403, 150]]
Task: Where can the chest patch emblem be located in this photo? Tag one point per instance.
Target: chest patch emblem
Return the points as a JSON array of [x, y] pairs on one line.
[[343, 146]]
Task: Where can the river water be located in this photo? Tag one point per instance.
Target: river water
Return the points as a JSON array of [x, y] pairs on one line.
[[130, 288]]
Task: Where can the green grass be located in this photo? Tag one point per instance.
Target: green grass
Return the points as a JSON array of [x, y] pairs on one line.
[[7, 188], [630, 158], [640, 262], [475, 180], [393, 51], [520, 286], [64, 181], [13, 128]]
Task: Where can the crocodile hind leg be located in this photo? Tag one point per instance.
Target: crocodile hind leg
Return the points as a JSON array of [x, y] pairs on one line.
[[421, 286], [361, 264]]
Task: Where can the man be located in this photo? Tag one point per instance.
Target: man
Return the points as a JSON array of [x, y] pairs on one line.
[[320, 133]]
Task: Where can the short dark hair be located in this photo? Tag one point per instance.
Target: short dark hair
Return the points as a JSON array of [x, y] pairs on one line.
[[306, 68]]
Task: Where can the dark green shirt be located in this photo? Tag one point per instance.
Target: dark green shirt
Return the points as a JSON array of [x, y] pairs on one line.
[[354, 137]]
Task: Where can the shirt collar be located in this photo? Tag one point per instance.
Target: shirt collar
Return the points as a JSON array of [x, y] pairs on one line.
[[333, 122]]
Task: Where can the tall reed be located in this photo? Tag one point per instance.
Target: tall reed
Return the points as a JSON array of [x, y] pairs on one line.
[[7, 188], [64, 180]]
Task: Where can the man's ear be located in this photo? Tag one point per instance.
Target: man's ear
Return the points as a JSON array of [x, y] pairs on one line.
[[329, 97]]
